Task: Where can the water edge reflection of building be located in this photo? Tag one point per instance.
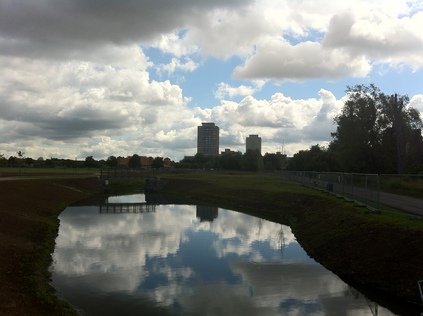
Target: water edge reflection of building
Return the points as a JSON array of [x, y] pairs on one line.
[[206, 213]]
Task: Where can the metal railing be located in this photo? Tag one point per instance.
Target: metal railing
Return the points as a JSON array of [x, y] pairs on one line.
[[362, 186], [403, 192]]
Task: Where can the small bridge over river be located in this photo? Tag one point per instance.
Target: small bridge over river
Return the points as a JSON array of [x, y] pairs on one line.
[[119, 208]]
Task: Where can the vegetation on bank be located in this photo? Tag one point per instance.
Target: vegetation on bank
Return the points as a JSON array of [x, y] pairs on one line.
[[29, 210], [34, 267], [269, 194]]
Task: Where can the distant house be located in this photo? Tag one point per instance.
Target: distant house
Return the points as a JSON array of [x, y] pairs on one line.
[[123, 161], [146, 162]]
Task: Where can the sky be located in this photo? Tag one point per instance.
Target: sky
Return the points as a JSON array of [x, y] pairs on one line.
[[116, 78]]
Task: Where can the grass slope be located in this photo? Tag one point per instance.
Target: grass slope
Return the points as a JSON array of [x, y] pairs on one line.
[[28, 228]]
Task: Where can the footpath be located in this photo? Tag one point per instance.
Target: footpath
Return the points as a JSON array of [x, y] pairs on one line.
[[404, 203], [400, 202]]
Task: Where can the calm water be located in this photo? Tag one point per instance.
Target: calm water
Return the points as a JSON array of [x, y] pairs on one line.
[[191, 260]]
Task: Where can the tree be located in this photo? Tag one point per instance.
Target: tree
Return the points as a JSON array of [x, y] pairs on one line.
[[157, 163], [317, 158], [21, 156], [252, 160], [200, 159], [274, 161], [134, 161], [3, 161], [372, 131], [90, 162], [112, 162], [404, 121], [357, 134], [49, 163], [29, 161], [231, 161], [12, 161]]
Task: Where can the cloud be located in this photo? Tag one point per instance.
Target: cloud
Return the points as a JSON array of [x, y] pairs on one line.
[[279, 60], [225, 89], [175, 64], [71, 24], [417, 103], [353, 42], [160, 269], [73, 101], [379, 37], [300, 122], [278, 112], [107, 78]]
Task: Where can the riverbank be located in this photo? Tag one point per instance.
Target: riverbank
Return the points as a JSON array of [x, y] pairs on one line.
[[28, 228], [377, 251], [381, 252]]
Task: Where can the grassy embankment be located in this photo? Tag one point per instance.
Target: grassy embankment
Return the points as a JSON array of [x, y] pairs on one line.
[[383, 251], [29, 207]]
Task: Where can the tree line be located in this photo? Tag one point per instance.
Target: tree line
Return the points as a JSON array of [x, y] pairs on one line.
[[251, 160], [89, 162], [375, 133]]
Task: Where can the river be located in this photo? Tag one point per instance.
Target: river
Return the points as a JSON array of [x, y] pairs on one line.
[[127, 257]]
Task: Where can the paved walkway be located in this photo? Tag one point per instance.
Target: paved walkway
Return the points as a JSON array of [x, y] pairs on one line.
[[403, 203]]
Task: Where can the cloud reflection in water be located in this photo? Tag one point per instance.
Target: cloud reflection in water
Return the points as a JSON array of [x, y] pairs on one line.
[[184, 259]]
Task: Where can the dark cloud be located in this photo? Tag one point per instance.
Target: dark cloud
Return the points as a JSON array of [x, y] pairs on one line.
[[81, 122], [51, 27]]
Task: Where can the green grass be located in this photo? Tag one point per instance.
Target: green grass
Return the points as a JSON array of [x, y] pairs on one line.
[[259, 192], [411, 185], [31, 171], [47, 173], [118, 187], [33, 268]]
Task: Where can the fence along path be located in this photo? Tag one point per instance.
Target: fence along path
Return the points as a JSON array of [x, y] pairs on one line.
[[363, 186]]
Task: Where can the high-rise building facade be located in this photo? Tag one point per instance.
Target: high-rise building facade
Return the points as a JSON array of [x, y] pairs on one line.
[[208, 139], [253, 142]]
